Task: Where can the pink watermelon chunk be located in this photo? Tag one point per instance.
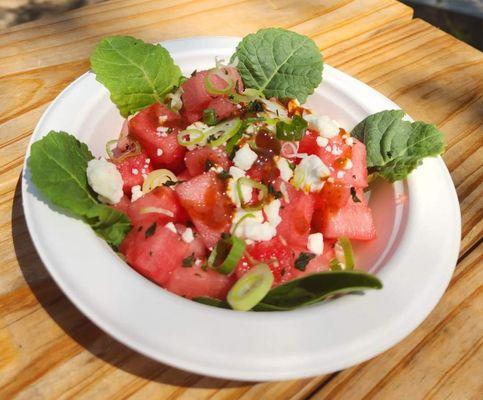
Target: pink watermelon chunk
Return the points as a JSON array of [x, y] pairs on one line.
[[209, 207], [198, 159]]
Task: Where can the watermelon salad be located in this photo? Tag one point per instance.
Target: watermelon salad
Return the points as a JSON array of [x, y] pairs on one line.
[[222, 187]]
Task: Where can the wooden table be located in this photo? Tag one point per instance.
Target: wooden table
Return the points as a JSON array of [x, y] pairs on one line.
[[48, 349]]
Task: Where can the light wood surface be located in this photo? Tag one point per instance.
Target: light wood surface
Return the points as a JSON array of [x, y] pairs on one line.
[[49, 350]]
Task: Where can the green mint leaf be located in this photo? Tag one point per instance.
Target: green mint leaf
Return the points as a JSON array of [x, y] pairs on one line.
[[293, 131], [302, 260], [209, 117], [315, 288], [279, 63], [137, 74], [188, 261], [58, 164], [396, 147]]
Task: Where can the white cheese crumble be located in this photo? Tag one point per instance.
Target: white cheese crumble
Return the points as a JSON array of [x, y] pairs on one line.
[[134, 171], [171, 227], [136, 192], [309, 175], [315, 243], [231, 189], [187, 235], [283, 166], [245, 157], [326, 126], [104, 178], [340, 174], [272, 211], [159, 152]]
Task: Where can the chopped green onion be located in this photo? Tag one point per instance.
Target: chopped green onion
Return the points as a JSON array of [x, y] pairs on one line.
[[195, 136], [212, 89], [226, 254], [251, 288], [247, 95], [348, 252], [224, 131], [334, 265], [209, 117], [293, 131], [254, 185]]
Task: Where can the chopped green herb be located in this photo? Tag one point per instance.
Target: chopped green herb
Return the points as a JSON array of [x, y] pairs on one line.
[[255, 106], [231, 144], [150, 231], [188, 261], [302, 260], [292, 131], [334, 265], [211, 138], [355, 199], [209, 117]]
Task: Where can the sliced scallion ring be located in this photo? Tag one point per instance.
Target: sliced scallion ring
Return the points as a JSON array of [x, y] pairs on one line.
[[157, 178], [254, 185], [248, 215], [156, 210], [348, 253], [212, 89], [224, 131], [226, 254], [195, 136], [251, 288]]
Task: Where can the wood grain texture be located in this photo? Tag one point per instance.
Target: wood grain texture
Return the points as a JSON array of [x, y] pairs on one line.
[[48, 349]]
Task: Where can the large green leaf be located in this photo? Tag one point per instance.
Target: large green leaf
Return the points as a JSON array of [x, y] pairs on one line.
[[395, 147], [136, 73], [280, 63], [308, 290], [58, 164]]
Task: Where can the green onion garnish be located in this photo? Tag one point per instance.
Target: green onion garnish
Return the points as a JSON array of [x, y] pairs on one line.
[[195, 136], [348, 252], [209, 117], [212, 89], [224, 131], [226, 254], [254, 185]]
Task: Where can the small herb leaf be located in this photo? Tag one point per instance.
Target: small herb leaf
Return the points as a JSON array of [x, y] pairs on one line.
[[150, 231], [302, 260]]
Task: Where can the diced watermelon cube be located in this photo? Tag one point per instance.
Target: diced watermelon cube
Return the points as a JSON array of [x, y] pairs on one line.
[[207, 204], [193, 282], [162, 147], [158, 200], [199, 159], [154, 253], [353, 221], [131, 170]]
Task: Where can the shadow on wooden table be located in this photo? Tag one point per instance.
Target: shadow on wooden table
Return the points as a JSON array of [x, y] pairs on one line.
[[81, 329]]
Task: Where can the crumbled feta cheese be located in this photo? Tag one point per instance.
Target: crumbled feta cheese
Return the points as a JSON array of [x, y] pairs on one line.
[[104, 178], [135, 171], [327, 127], [148, 160], [283, 166], [159, 152], [272, 211], [328, 149], [349, 141], [171, 227], [340, 174], [336, 151], [231, 189], [330, 179], [309, 174], [136, 192], [284, 191], [322, 141], [187, 235], [315, 243], [250, 225], [245, 157]]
